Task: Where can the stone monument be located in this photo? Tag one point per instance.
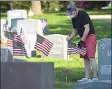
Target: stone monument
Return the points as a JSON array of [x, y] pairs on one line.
[[27, 75], [6, 54], [104, 60]]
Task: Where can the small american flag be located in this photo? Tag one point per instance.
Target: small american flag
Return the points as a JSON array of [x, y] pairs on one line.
[[10, 43], [23, 36], [17, 50], [18, 46], [73, 49], [43, 45]]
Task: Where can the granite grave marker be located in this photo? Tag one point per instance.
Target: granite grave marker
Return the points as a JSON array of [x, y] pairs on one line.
[[6, 54], [27, 75]]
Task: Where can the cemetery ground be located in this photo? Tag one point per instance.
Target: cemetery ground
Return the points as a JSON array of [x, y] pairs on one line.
[[72, 69], [68, 72]]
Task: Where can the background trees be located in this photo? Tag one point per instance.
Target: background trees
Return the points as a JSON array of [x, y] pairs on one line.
[[41, 6], [92, 4], [36, 7]]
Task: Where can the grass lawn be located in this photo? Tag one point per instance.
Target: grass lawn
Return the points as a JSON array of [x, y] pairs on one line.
[[58, 23], [90, 12], [99, 12]]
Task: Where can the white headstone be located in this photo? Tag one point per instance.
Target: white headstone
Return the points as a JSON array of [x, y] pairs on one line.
[[59, 49], [15, 14], [30, 28]]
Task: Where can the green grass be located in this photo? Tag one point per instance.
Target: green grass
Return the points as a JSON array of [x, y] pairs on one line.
[[90, 12], [58, 23], [100, 12]]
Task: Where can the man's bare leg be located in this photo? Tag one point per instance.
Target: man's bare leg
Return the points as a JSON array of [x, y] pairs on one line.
[[87, 67], [87, 71], [94, 66]]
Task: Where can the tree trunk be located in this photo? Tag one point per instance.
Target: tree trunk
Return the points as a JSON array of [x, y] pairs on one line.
[[36, 7], [11, 5]]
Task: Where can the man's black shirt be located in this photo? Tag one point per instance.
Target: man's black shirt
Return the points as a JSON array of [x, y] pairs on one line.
[[81, 20]]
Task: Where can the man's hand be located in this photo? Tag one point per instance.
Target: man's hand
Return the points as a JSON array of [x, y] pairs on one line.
[[68, 38], [73, 34], [80, 43]]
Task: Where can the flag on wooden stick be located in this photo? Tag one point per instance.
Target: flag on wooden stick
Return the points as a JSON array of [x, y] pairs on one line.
[[43, 45], [10, 43], [18, 46], [73, 49]]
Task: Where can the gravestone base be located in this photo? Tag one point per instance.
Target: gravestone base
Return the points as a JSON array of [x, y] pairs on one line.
[[33, 53], [27, 75], [93, 85]]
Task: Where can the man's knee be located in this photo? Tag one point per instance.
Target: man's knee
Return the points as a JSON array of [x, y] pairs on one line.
[[87, 61], [91, 58]]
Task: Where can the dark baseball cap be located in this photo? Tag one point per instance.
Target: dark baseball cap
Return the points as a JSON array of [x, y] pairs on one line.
[[70, 8]]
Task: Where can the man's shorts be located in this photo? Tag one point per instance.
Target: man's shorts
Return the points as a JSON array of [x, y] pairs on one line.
[[90, 44]]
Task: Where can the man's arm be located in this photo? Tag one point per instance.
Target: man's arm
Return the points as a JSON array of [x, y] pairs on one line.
[[73, 34], [85, 34], [86, 31]]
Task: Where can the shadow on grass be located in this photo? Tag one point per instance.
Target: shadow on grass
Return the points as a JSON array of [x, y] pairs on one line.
[[102, 29], [99, 12], [60, 29], [90, 12]]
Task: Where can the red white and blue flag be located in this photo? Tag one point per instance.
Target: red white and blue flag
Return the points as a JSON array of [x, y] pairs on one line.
[[73, 49], [10, 43], [18, 45], [43, 45]]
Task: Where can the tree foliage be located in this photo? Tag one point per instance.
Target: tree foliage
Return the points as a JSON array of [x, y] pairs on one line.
[[51, 5], [91, 4], [10, 5]]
